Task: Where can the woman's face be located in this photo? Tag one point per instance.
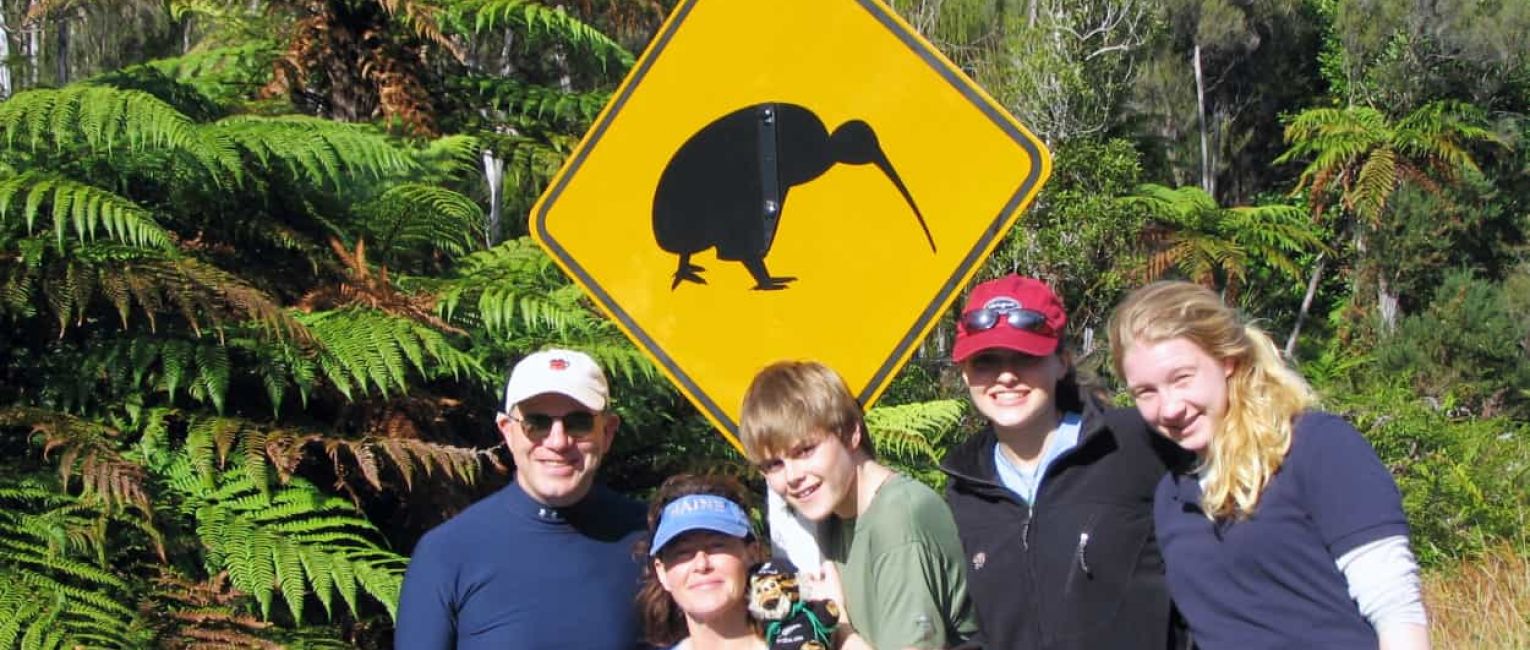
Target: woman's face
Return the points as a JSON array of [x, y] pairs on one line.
[[1180, 389], [1015, 391], [707, 574]]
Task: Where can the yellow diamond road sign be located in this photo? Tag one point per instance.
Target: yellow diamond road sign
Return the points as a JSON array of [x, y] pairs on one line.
[[798, 179]]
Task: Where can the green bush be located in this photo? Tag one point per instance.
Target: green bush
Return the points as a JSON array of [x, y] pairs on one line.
[[1462, 348], [1463, 479]]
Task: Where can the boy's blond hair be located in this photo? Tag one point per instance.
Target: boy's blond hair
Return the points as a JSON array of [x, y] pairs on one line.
[[792, 401]]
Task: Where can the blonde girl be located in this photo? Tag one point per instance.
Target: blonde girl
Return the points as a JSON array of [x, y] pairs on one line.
[[1287, 531]]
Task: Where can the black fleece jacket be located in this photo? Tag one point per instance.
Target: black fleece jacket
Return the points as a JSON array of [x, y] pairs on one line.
[[1080, 568]]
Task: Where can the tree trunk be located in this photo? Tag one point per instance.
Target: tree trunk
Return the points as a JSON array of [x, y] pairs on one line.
[[1301, 314], [32, 48], [494, 174], [1386, 303], [61, 60], [1208, 180], [5, 59]]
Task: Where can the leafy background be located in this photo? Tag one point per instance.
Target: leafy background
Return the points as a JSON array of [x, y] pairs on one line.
[[263, 267]]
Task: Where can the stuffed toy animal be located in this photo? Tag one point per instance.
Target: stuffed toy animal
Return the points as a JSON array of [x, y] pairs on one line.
[[791, 623]]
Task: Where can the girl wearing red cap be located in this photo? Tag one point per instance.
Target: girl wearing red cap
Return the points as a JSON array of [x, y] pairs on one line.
[[1053, 499], [1287, 531]]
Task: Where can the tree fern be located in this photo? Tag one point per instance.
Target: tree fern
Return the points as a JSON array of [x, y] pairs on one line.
[[1217, 246], [69, 206], [419, 219], [912, 437], [366, 351], [157, 282], [543, 104], [48, 592], [295, 542], [85, 451], [105, 120], [318, 151], [539, 23], [509, 287]]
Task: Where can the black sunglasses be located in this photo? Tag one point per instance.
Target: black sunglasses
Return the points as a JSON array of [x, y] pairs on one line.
[[985, 318], [578, 424]]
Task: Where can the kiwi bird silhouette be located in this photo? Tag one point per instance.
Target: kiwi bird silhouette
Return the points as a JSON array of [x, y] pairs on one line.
[[726, 185]]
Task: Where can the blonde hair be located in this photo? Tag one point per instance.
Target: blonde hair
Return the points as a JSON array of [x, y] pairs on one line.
[[791, 401], [1264, 396]]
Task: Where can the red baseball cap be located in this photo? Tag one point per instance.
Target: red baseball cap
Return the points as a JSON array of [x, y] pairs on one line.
[[1011, 293]]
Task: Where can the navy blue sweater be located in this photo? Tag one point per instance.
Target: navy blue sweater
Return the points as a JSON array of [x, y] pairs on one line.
[[509, 572]]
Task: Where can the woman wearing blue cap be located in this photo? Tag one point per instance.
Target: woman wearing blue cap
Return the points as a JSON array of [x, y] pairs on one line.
[[700, 546]]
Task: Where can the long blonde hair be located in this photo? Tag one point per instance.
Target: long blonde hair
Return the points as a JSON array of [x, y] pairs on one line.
[[1264, 396]]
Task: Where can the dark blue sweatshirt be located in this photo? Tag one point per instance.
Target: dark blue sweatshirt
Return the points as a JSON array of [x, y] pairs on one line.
[[509, 572]]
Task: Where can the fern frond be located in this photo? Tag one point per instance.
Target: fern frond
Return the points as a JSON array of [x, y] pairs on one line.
[[408, 456], [419, 218], [86, 450], [452, 156], [83, 209], [317, 150], [424, 19], [1375, 183], [71, 598], [513, 286], [204, 614], [914, 432], [546, 105], [105, 119], [247, 64], [539, 22], [278, 547], [158, 282], [369, 350]]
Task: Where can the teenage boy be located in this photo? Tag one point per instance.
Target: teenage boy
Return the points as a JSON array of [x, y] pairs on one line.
[[892, 554]]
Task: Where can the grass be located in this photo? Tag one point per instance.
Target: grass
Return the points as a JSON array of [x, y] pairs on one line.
[[1483, 602]]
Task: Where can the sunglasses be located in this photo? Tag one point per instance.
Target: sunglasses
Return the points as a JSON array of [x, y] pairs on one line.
[[578, 424], [986, 318]]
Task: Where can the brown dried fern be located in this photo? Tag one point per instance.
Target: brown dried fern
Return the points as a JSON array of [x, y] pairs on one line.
[[85, 450], [363, 288], [193, 615]]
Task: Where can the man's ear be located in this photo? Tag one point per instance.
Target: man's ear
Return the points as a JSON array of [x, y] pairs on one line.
[[506, 426], [610, 422]]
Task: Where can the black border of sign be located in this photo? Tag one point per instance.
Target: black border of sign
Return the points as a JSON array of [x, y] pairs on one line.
[[950, 286]]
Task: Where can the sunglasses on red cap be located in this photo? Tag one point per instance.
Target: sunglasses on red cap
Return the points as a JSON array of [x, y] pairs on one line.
[[986, 318]]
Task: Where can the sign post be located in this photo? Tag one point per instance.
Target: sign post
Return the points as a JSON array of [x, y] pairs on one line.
[[803, 179]]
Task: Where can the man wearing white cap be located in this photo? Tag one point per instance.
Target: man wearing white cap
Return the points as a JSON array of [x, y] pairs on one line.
[[547, 561]]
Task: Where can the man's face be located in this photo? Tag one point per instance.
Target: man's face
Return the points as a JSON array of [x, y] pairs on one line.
[[557, 444]]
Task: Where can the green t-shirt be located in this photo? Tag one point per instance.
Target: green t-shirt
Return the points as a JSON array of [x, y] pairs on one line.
[[904, 572]]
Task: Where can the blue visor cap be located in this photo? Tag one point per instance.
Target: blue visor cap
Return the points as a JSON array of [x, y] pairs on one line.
[[699, 512]]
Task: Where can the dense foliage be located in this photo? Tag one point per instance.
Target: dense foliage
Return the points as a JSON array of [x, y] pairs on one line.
[[263, 266]]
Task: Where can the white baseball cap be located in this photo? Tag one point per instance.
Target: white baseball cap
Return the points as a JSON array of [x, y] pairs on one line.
[[564, 372]]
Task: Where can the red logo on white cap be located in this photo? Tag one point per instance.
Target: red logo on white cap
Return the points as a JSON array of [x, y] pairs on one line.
[[558, 364]]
